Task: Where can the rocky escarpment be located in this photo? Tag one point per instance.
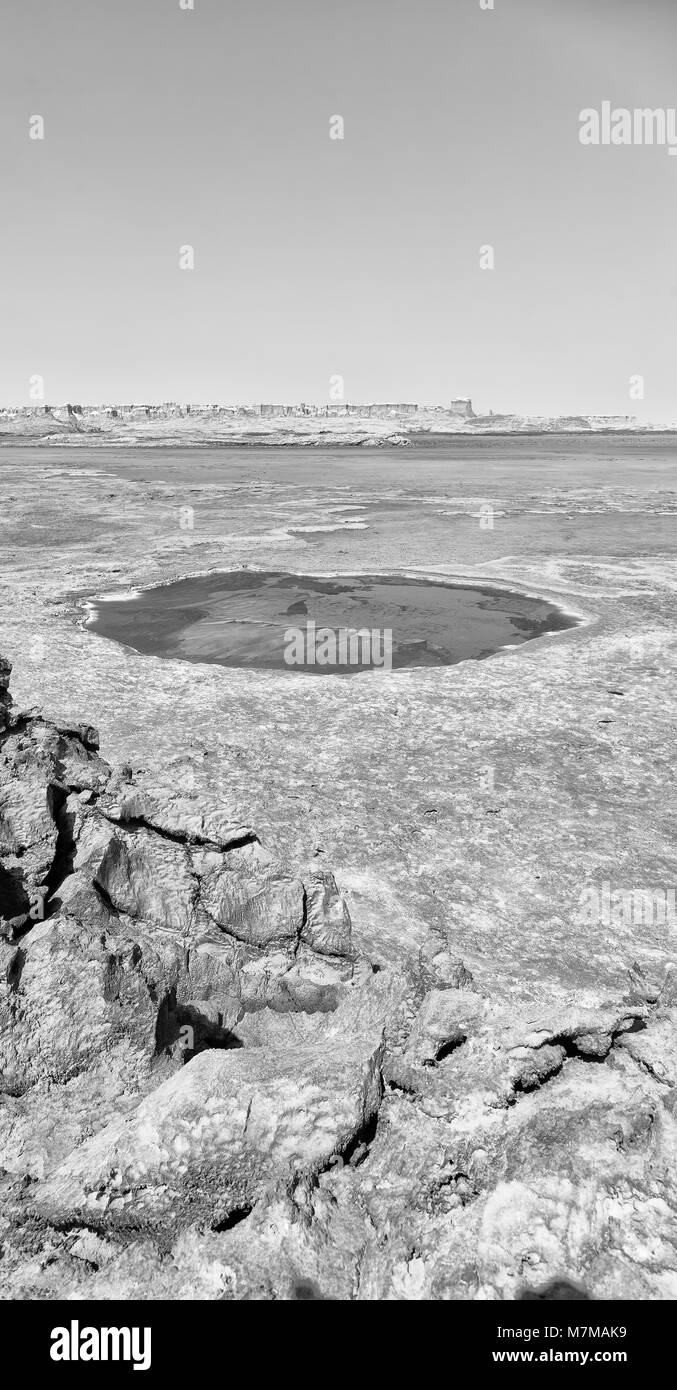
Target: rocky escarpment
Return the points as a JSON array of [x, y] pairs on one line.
[[207, 1090]]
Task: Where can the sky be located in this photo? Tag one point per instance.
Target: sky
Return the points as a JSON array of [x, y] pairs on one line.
[[316, 257]]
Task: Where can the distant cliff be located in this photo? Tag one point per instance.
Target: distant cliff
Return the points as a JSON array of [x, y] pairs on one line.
[[335, 424]]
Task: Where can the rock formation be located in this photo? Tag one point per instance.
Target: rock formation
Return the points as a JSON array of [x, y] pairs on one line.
[[207, 1091]]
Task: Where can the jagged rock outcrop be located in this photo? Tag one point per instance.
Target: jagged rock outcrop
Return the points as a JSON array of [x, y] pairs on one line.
[[5, 697], [215, 1136], [129, 914], [207, 1090]]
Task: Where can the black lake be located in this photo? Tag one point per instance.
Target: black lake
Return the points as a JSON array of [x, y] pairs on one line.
[[278, 621]]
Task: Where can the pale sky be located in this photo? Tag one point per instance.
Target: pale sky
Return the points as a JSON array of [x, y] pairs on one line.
[[166, 127]]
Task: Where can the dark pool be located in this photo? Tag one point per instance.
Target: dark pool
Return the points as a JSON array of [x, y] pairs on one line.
[[278, 621]]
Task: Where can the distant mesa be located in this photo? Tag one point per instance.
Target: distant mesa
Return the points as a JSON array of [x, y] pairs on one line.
[[375, 423], [462, 405]]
